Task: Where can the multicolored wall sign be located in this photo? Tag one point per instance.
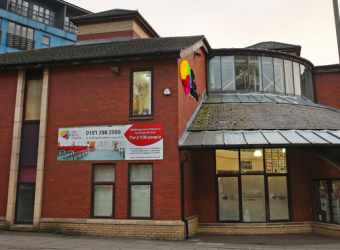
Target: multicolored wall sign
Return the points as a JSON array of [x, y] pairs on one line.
[[188, 77]]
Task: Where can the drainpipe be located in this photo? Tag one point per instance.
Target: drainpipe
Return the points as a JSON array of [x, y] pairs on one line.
[[183, 193]]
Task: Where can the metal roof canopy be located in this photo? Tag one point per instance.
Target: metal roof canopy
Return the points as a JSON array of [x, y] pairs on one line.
[[260, 138]]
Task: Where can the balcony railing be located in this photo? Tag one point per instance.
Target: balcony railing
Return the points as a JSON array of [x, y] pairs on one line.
[[19, 42], [41, 17]]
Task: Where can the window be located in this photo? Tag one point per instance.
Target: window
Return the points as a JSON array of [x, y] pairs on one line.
[[141, 93], [18, 6], [252, 185], [33, 100], [46, 41], [140, 191], [43, 15], [20, 37], [103, 189]]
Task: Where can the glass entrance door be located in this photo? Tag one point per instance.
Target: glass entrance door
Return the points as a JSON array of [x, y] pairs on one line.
[[322, 193]]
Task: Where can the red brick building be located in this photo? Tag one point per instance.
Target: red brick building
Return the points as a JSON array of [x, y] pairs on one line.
[[127, 134]]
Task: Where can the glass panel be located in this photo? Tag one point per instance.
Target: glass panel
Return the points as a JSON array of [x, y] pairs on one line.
[[140, 201], [309, 83], [234, 138], [228, 199], [41, 14], [46, 40], [33, 99], [141, 173], [276, 162], [103, 200], [18, 30], [230, 98], [11, 27], [47, 16], [253, 198], [30, 33], [263, 98], [227, 161], [303, 81], [241, 73], [104, 173], [255, 73], [268, 74], [215, 79], [289, 77], [214, 99], [26, 202], [324, 214], [35, 12], [278, 198], [213, 138], [293, 137], [254, 138], [251, 161], [297, 81], [312, 137], [194, 139], [142, 93], [335, 200], [24, 32], [279, 76], [228, 73], [28, 173], [328, 137], [275, 138]]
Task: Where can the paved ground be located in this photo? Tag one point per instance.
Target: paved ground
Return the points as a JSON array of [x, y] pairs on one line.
[[38, 241]]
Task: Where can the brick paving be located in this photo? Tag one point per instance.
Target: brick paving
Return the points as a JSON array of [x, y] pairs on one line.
[[39, 241]]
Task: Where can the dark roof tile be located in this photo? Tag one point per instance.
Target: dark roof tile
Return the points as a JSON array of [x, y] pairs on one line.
[[135, 47], [273, 46]]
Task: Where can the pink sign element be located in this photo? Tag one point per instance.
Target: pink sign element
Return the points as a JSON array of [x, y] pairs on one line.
[[144, 134]]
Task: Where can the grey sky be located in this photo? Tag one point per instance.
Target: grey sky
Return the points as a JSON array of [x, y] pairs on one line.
[[240, 23]]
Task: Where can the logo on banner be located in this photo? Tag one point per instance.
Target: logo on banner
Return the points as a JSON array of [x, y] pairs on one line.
[[65, 134], [188, 77]]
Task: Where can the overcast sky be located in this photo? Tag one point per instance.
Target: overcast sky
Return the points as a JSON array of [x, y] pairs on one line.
[[240, 23]]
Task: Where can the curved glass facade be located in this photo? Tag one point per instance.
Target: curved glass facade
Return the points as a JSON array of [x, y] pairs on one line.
[[259, 74]]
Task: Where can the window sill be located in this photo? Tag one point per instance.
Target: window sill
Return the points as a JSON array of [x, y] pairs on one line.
[[141, 118]]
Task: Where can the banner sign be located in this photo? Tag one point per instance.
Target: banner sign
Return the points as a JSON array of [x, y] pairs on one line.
[[126, 142]]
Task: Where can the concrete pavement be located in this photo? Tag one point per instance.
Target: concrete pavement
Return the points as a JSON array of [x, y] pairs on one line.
[[39, 241]]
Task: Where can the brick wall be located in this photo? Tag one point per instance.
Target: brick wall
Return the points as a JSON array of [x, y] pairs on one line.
[[301, 184], [189, 184], [139, 31], [328, 88], [92, 96], [104, 27], [155, 230], [186, 104], [8, 88]]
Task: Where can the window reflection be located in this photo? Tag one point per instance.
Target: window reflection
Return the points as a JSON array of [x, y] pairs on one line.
[[279, 77], [268, 74], [256, 73], [289, 77], [228, 73], [142, 93], [241, 73], [214, 84]]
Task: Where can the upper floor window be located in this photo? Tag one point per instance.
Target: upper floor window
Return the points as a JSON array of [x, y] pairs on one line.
[[261, 74], [43, 15], [20, 37], [46, 40], [141, 93], [19, 6]]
